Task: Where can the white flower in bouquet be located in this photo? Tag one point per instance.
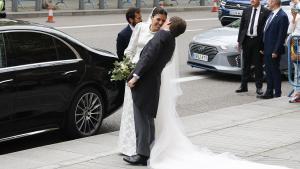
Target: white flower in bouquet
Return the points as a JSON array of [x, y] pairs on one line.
[[122, 69]]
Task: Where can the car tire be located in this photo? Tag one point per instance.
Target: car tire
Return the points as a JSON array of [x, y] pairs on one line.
[[85, 114]]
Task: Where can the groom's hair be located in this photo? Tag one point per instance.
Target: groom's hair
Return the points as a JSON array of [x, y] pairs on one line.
[[178, 26]]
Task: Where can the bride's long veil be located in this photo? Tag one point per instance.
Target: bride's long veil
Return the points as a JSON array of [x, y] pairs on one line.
[[172, 148], [168, 125]]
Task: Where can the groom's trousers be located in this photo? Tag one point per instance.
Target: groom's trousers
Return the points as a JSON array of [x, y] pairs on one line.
[[145, 131]]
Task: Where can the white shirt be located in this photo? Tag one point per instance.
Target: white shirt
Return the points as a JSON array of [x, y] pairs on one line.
[[274, 14], [255, 21], [294, 28], [139, 38], [132, 27]]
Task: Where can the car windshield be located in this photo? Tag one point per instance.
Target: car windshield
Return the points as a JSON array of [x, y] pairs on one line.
[[235, 24]]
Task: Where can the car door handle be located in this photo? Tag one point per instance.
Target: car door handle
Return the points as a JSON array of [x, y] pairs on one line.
[[69, 72], [6, 81]]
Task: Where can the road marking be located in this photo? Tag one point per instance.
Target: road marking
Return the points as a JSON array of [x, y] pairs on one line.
[[193, 30], [90, 26], [120, 24], [190, 78], [202, 19]]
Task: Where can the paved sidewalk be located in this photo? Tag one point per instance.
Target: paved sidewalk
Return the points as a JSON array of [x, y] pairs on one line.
[[264, 131]]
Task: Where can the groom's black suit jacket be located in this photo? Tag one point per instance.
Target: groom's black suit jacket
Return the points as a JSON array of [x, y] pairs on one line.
[[154, 57]]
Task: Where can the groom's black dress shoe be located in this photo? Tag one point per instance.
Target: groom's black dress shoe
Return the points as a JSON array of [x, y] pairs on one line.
[[136, 160]]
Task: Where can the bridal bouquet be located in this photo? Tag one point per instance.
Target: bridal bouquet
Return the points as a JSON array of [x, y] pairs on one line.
[[122, 69]]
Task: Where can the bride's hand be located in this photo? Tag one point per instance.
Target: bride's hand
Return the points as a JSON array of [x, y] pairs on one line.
[[131, 82]]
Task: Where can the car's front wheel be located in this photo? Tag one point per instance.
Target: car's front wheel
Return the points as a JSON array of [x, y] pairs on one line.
[[85, 114]]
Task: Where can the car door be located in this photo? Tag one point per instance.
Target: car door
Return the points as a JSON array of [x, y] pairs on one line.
[[32, 54], [66, 74], [7, 92]]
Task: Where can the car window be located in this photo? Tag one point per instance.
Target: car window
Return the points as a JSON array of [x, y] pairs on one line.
[[2, 52], [64, 52], [29, 47]]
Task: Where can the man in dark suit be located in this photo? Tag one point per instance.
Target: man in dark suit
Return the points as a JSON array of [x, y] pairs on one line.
[[250, 39], [133, 17], [275, 33], [145, 85]]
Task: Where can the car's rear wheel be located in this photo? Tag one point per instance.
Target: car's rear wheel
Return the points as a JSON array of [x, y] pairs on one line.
[[85, 114]]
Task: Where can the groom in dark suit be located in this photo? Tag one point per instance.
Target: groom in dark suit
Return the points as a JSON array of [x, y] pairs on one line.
[[133, 17], [275, 33], [145, 85], [250, 39]]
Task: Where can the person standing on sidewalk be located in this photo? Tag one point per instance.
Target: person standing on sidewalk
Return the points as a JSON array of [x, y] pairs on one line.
[[250, 40], [294, 28], [141, 35], [133, 17], [275, 33]]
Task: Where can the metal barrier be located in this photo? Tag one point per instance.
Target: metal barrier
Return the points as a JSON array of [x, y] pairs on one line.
[[293, 44], [37, 5]]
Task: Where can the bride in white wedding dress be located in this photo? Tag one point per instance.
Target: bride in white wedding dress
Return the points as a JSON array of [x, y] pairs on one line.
[[172, 148], [142, 33]]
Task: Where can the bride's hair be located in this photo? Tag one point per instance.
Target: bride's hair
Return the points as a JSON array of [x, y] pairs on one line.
[[159, 10]]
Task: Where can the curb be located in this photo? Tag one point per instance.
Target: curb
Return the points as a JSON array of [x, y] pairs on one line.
[[34, 14]]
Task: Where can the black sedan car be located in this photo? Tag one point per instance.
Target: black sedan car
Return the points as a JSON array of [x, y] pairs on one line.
[[49, 80]]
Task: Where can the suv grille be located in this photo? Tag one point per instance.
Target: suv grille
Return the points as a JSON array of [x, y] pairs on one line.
[[210, 51], [232, 5]]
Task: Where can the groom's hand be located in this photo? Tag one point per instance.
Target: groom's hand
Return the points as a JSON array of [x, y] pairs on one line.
[[132, 81]]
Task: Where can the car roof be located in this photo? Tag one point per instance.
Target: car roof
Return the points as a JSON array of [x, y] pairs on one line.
[[11, 24], [4, 22]]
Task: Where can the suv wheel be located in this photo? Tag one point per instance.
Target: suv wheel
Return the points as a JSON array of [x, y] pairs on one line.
[[85, 114]]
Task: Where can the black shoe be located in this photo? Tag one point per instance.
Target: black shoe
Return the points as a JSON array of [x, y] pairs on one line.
[[265, 96], [241, 89], [259, 91], [136, 160]]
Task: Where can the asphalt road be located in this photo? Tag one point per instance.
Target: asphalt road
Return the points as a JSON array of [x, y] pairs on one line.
[[212, 91]]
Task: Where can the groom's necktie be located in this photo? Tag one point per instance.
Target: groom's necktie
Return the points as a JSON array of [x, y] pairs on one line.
[[252, 21]]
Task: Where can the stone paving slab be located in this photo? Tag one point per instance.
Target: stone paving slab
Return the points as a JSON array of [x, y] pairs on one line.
[[276, 161]]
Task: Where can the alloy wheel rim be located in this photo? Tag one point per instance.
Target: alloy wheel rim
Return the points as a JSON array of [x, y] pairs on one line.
[[88, 113]]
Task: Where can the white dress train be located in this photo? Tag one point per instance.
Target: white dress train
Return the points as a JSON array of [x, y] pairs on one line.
[[172, 149]]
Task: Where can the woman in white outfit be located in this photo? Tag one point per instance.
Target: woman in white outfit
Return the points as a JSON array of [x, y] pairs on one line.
[[294, 28], [142, 33]]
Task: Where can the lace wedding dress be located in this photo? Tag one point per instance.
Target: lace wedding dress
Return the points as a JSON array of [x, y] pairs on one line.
[[127, 138], [172, 148]]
